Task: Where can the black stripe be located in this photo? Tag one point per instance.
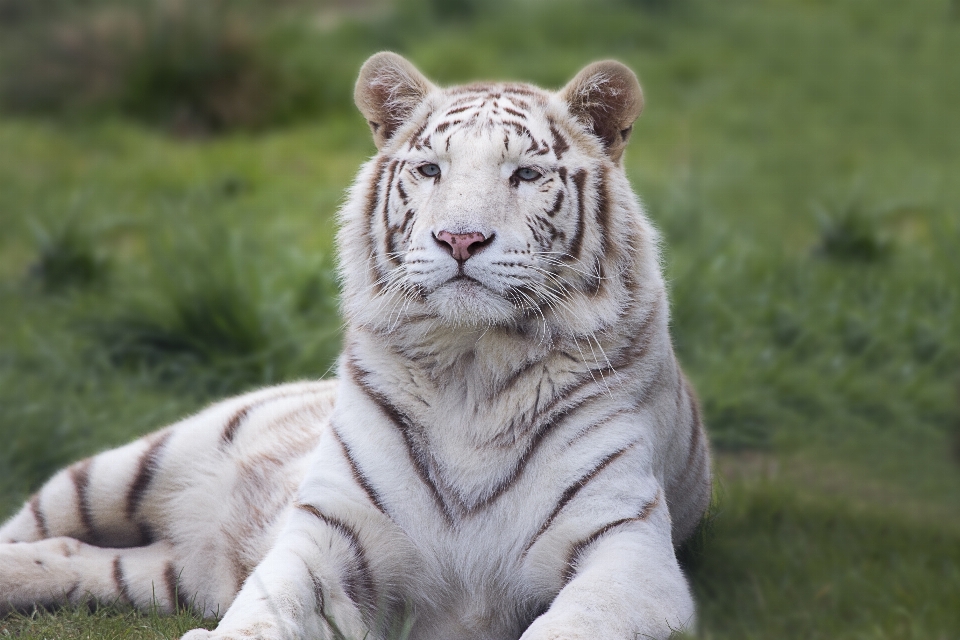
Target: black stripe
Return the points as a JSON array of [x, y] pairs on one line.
[[72, 591], [685, 397], [230, 431], [579, 180], [573, 557], [406, 428], [597, 277], [80, 474], [695, 470], [388, 236], [603, 209], [519, 89], [560, 144], [636, 350], [519, 127], [694, 406], [549, 415], [572, 491], [146, 534], [407, 218], [582, 433], [456, 110], [178, 599], [238, 419], [515, 473], [547, 424], [121, 581], [319, 600], [373, 198], [358, 585], [358, 475], [38, 516], [241, 568], [516, 90], [385, 207], [515, 377], [146, 470], [529, 452], [556, 204], [415, 138], [695, 436], [642, 337]]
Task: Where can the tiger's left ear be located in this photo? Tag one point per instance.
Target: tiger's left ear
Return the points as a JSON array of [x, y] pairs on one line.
[[606, 97], [388, 91]]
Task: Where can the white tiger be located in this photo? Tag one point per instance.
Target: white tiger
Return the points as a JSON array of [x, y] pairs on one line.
[[511, 450]]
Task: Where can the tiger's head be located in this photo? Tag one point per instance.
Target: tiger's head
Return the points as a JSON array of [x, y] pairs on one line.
[[495, 205]]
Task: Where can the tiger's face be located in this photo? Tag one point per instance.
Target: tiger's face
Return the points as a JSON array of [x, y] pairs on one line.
[[482, 218], [491, 204]]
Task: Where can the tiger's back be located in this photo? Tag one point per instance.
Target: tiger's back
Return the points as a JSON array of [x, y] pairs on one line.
[[215, 487], [511, 444]]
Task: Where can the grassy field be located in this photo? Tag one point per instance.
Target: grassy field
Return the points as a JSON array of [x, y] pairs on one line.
[[800, 156]]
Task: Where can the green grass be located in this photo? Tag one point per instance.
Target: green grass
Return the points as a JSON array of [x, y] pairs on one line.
[[787, 565], [799, 156], [103, 624]]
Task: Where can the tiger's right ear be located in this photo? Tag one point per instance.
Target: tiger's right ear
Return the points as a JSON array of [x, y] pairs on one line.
[[388, 91]]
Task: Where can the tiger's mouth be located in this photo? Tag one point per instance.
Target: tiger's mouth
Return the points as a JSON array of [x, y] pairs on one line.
[[464, 277], [466, 300], [462, 285]]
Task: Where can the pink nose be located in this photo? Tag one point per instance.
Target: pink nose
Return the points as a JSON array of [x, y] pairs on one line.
[[462, 245]]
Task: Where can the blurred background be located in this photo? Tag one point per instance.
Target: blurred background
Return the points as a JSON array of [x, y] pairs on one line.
[[170, 171]]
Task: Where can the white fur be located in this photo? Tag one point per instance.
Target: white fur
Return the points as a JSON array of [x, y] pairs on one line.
[[491, 465]]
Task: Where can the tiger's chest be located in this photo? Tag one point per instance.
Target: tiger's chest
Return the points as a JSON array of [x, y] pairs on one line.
[[492, 572], [480, 558]]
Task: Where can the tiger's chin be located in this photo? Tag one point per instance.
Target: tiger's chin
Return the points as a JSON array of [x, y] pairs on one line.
[[466, 302]]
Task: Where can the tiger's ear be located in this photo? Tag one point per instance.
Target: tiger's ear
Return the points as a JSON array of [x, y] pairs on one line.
[[606, 97], [388, 91]]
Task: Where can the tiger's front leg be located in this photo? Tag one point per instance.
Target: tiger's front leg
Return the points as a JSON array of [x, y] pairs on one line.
[[623, 583], [318, 581]]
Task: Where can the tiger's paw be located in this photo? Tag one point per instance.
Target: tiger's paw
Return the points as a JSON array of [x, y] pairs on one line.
[[203, 634], [555, 626], [546, 628], [252, 632]]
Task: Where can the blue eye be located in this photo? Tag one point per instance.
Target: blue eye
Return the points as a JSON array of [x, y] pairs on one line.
[[430, 170], [527, 174]]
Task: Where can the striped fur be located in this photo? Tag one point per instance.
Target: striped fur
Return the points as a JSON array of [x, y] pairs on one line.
[[511, 450]]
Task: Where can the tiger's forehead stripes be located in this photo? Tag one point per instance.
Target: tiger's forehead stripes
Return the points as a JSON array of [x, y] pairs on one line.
[[481, 108]]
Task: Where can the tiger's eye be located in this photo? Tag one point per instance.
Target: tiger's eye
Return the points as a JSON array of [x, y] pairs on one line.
[[528, 174], [430, 170]]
